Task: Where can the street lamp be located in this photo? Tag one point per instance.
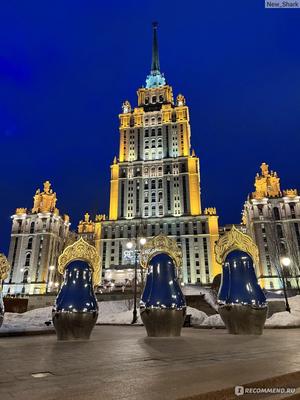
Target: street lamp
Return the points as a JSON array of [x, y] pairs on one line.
[[129, 246], [285, 262]]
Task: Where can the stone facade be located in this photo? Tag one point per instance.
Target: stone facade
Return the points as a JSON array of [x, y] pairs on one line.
[[272, 218], [38, 237]]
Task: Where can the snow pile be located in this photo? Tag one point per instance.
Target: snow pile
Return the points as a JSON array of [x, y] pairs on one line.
[[115, 312], [285, 318], [30, 320], [209, 295], [197, 316], [213, 321]]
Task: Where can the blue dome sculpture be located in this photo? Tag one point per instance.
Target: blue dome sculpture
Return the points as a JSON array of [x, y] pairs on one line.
[[242, 303], [162, 304], [75, 310]]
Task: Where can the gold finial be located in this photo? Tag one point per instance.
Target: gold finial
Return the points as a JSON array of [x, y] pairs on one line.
[[45, 201], [267, 184], [290, 192], [235, 240], [210, 211], [180, 100], [21, 210], [126, 107], [115, 160], [161, 243], [81, 250], [86, 225], [100, 217], [193, 153], [87, 217], [264, 169], [47, 187]]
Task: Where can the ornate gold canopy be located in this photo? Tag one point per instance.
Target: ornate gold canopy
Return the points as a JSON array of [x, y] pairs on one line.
[[161, 243], [235, 240], [81, 250], [4, 267]]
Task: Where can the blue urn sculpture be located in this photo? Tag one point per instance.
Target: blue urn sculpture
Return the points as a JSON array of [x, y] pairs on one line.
[[4, 269], [162, 305], [242, 303], [75, 310]]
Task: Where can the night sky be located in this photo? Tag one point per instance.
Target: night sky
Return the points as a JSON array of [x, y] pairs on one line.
[[67, 66]]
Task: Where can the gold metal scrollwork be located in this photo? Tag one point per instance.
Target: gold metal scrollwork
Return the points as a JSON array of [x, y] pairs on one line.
[[158, 244], [81, 250], [4, 267], [235, 240]]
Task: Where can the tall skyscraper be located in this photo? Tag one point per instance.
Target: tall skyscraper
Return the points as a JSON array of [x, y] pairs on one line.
[[155, 183], [272, 218], [38, 237]]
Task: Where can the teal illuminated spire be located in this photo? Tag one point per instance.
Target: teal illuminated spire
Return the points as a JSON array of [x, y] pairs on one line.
[[156, 78]]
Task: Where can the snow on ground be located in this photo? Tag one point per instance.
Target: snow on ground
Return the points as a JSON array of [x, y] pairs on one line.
[[120, 312], [209, 295], [285, 318], [31, 320]]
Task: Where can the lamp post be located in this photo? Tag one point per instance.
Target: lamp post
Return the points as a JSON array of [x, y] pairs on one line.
[[285, 262], [129, 246]]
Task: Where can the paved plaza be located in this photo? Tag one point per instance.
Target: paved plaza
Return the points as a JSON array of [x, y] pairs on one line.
[[122, 363]]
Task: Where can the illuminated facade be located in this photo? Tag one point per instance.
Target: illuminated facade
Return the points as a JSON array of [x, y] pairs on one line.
[[38, 237], [155, 184], [272, 218]]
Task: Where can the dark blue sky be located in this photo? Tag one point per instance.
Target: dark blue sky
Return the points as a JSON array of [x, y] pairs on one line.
[[66, 67]]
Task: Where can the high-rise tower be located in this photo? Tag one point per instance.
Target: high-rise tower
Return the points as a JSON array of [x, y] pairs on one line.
[[156, 182]]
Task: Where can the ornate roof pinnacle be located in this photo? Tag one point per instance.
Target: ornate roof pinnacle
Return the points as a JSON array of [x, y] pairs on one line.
[[156, 78]]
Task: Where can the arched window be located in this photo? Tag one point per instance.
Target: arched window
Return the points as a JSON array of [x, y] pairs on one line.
[[153, 143], [146, 211], [276, 213], [160, 210], [27, 260], [29, 245], [32, 227], [146, 185], [152, 172], [25, 276], [153, 184], [153, 211], [160, 184], [279, 231]]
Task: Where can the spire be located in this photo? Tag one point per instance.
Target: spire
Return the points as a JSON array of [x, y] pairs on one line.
[[155, 56], [156, 78]]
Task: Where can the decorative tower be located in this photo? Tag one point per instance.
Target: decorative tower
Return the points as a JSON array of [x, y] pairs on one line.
[[272, 218], [37, 238], [155, 183]]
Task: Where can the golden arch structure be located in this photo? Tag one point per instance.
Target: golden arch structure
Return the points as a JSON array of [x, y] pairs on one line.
[[83, 251], [161, 244], [236, 240]]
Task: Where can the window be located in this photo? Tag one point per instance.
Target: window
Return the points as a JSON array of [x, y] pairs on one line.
[[32, 227], [276, 213], [279, 231], [25, 276], [29, 245], [27, 260]]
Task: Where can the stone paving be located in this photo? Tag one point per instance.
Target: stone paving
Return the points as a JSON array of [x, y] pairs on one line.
[[122, 363]]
